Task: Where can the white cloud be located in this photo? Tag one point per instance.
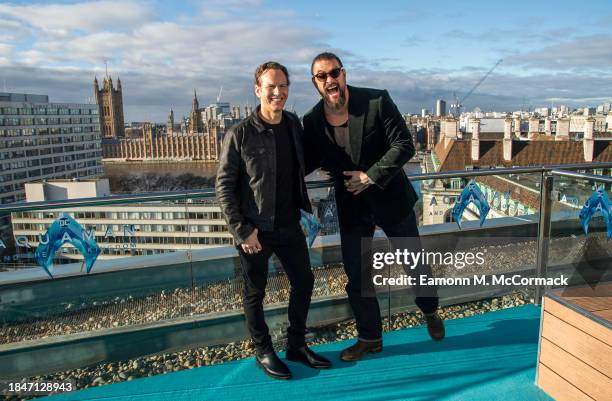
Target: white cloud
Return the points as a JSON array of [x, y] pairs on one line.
[[5, 49], [161, 61], [61, 19], [150, 96], [590, 52], [156, 46]]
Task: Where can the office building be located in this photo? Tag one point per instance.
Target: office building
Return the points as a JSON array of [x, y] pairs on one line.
[[146, 228], [440, 108], [41, 140]]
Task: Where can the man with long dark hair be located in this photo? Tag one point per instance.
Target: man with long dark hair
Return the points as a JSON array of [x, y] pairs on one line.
[[361, 139]]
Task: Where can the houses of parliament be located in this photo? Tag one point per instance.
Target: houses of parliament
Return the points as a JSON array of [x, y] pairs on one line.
[[196, 138]]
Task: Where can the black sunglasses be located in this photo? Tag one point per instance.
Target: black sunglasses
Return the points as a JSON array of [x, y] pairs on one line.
[[322, 76]]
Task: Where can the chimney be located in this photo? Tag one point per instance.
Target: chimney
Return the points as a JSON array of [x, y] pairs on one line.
[[563, 127], [450, 130], [475, 139], [508, 139], [548, 126], [517, 126], [534, 127], [589, 142]]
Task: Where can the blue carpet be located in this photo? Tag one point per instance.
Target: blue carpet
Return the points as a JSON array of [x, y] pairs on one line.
[[486, 357]]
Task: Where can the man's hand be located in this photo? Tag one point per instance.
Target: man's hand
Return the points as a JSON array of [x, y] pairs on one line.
[[251, 245], [356, 181]]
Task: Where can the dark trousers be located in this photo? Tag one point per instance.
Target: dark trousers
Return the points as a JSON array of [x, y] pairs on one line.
[[363, 302], [289, 245]]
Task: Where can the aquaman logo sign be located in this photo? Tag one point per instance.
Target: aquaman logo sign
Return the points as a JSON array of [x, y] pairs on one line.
[[66, 230]]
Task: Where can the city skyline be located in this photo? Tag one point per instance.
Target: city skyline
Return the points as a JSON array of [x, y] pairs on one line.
[[162, 52]]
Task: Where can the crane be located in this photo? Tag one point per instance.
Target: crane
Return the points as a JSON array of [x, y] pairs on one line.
[[219, 95], [458, 104]]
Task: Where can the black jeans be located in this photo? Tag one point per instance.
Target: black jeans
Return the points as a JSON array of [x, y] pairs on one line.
[[289, 245], [365, 307]]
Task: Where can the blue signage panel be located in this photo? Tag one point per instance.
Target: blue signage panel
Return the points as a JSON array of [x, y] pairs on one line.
[[471, 194]]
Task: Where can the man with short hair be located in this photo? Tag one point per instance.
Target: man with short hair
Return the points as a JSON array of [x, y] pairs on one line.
[[361, 139], [260, 186]]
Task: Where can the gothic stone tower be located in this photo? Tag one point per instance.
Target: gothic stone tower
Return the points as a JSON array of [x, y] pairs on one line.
[[110, 108], [195, 118], [170, 125]]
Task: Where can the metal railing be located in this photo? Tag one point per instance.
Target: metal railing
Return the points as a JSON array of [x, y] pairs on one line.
[[547, 174], [329, 306], [592, 177], [210, 193]]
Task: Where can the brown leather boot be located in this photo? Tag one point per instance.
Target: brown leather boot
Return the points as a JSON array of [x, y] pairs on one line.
[[357, 351], [435, 326]]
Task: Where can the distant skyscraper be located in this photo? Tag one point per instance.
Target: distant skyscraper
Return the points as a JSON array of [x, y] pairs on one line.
[[110, 108], [424, 112], [248, 110], [215, 111], [224, 107], [440, 108]]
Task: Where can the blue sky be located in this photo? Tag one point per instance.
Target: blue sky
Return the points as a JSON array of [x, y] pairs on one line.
[[554, 52]]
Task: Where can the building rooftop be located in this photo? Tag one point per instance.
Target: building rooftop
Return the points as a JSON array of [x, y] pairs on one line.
[[59, 189], [457, 154], [23, 97], [486, 357]]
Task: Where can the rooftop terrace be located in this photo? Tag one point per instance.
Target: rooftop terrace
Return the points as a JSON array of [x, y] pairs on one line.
[[178, 313]]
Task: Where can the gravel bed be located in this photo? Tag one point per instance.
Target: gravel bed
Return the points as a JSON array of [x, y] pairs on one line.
[[225, 296]]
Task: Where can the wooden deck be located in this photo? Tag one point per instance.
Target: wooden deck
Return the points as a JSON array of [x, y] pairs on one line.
[[597, 301], [575, 358]]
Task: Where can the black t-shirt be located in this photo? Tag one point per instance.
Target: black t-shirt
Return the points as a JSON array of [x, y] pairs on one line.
[[287, 210]]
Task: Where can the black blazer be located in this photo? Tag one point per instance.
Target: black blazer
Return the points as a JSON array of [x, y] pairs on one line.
[[380, 145]]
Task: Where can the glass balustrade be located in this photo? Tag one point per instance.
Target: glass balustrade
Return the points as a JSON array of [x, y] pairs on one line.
[[165, 262]]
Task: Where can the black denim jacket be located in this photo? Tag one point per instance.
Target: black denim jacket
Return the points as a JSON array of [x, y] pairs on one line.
[[246, 179]]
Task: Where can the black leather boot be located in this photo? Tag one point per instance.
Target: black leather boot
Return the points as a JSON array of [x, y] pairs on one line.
[[308, 357], [273, 366]]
